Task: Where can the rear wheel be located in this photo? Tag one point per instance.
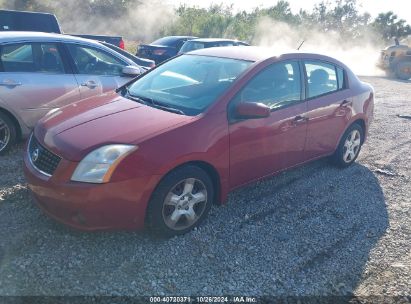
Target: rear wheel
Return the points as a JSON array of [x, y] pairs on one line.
[[349, 147], [180, 202], [8, 133], [403, 70]]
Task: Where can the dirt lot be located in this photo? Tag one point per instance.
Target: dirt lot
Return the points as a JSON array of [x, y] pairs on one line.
[[315, 230]]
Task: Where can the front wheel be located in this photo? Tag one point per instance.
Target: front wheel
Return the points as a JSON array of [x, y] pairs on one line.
[[349, 147], [7, 133], [180, 202]]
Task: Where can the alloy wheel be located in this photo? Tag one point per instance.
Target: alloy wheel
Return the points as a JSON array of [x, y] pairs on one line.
[[4, 135], [184, 204], [352, 146]]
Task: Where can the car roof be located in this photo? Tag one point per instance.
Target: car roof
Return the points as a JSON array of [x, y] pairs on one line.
[[15, 36], [177, 37], [213, 40], [250, 53], [255, 54]]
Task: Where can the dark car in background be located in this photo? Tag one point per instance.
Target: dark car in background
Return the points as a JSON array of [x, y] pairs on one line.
[[163, 48], [143, 62], [44, 22], [203, 43]]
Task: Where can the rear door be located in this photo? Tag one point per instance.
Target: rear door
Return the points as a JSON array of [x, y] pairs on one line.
[[34, 79], [96, 70], [329, 106]]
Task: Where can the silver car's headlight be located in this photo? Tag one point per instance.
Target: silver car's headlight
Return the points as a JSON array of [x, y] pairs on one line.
[[98, 166]]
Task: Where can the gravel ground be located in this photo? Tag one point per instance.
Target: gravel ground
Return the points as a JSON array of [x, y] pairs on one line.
[[315, 230]]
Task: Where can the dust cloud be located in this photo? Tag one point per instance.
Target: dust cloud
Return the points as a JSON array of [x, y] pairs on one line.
[[141, 22], [361, 56]]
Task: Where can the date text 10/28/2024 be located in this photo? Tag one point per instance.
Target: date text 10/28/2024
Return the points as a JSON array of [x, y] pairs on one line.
[[205, 299]]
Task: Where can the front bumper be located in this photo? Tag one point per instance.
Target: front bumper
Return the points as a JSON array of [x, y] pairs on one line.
[[111, 206]]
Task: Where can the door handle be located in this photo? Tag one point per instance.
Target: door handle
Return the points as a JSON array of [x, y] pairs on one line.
[[10, 83], [345, 104], [299, 120], [90, 84]]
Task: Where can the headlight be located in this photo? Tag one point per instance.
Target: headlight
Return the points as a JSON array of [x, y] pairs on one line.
[[98, 166]]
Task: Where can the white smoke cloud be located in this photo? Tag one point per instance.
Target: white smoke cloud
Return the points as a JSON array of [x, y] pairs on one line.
[[361, 56], [140, 22]]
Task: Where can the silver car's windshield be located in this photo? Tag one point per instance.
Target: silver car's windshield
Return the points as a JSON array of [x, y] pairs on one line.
[[189, 83]]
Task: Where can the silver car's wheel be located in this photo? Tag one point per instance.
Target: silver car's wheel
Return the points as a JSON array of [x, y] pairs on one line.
[[184, 204], [352, 146], [5, 135]]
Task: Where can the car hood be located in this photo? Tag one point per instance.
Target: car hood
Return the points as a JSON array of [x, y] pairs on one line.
[[77, 129]]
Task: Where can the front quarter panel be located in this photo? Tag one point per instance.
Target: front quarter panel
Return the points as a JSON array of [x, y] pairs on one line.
[[203, 140]]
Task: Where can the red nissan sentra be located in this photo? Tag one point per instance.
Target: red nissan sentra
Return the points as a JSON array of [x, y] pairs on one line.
[[166, 146]]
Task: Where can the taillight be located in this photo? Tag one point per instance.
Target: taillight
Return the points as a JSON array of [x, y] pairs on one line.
[[152, 65], [121, 46], [159, 52]]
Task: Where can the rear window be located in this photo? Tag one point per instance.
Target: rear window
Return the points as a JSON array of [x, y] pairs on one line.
[[166, 41]]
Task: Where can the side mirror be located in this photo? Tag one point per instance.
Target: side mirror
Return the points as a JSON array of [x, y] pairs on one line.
[[252, 110], [132, 71]]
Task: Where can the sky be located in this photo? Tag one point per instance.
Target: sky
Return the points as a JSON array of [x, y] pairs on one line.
[[400, 7]]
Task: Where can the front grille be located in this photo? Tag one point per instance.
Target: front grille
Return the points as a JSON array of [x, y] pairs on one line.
[[42, 159]]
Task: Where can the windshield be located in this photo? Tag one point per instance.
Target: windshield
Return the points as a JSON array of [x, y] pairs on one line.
[[189, 83]]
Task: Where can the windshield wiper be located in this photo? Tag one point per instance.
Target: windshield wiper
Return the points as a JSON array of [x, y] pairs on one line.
[[151, 102], [132, 97]]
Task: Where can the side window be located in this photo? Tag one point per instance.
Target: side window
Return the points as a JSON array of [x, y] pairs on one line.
[[31, 57], [341, 78], [322, 78], [225, 43], [92, 61], [277, 86]]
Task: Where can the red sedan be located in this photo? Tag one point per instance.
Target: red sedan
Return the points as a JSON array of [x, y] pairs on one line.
[[165, 147]]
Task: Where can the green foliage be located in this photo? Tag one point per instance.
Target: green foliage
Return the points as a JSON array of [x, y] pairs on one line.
[[219, 20], [388, 25]]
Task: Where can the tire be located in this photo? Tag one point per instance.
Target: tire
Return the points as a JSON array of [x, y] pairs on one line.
[[8, 133], [341, 157], [403, 70], [174, 209]]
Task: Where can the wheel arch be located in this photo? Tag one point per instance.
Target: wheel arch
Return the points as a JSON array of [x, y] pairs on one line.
[[360, 121], [14, 120], [209, 169]]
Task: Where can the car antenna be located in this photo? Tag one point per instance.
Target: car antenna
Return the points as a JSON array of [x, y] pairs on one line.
[[301, 44]]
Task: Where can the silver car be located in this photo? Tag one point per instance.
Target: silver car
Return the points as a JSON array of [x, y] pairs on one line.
[[40, 72]]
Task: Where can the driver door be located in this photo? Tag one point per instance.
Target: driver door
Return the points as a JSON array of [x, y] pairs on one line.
[[96, 71], [263, 146]]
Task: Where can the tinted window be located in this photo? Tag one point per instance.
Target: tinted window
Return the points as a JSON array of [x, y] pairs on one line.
[[92, 61], [31, 57], [276, 86], [189, 83], [191, 46], [322, 78], [167, 41], [225, 43], [341, 78]]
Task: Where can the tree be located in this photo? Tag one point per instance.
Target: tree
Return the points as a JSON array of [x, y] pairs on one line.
[[389, 27]]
